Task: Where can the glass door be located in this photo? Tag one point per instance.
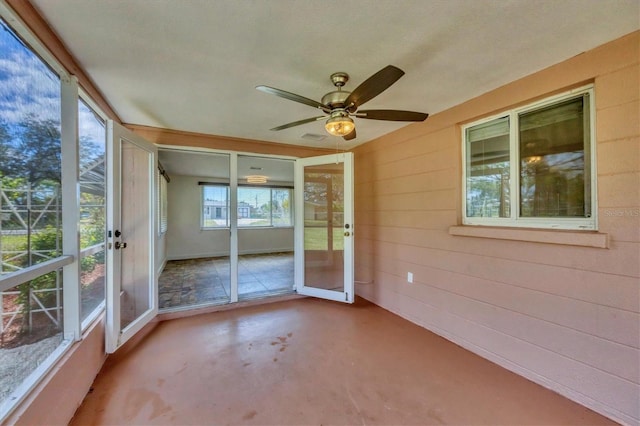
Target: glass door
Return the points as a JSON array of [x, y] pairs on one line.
[[324, 227], [197, 271], [131, 282], [265, 226]]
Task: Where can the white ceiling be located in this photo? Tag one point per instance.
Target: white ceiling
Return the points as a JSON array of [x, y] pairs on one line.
[[193, 64]]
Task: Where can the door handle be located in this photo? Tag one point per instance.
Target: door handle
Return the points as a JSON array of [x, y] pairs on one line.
[[119, 245], [346, 234]]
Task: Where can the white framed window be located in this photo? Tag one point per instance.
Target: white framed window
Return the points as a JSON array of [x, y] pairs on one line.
[[39, 246], [257, 206], [265, 206], [214, 211], [533, 166]]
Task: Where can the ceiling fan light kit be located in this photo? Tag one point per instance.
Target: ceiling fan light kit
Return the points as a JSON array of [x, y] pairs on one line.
[[341, 104], [340, 124], [256, 179]]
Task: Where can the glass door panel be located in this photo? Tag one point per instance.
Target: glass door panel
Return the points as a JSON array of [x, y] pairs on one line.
[[265, 226], [197, 271], [324, 254]]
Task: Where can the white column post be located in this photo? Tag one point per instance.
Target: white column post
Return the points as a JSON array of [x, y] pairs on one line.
[[70, 207], [233, 223]]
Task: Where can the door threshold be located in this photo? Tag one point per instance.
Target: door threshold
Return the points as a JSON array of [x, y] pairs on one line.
[[198, 310]]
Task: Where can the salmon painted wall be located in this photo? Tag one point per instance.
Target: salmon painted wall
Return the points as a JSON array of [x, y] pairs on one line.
[[563, 315], [60, 393]]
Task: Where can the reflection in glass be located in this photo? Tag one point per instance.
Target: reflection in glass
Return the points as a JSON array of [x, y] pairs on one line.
[[488, 169], [92, 139], [553, 169], [92, 282], [323, 226], [281, 201]]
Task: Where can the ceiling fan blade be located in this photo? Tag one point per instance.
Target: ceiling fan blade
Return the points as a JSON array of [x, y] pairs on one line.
[[392, 115], [297, 123], [350, 136], [293, 97], [373, 86]]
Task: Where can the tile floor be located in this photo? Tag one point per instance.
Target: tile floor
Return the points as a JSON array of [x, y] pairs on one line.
[[207, 281]]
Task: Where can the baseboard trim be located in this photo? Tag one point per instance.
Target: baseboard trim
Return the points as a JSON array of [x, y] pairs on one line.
[[226, 254]]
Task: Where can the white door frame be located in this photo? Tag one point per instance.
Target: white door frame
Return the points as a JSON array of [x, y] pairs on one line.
[[114, 336], [347, 295]]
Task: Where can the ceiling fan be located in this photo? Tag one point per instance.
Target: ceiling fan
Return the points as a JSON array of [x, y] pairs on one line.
[[340, 105]]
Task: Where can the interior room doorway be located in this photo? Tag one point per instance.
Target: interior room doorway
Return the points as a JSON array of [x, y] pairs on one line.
[[236, 220], [210, 197], [196, 242]]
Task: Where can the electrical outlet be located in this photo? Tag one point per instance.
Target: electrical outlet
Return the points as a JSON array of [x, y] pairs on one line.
[[409, 277]]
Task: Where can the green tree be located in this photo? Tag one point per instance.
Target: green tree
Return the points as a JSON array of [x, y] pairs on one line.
[[39, 147], [5, 139]]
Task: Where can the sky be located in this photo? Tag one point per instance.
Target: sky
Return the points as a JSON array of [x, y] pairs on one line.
[[28, 86]]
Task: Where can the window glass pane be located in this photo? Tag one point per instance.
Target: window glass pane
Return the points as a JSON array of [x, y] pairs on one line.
[[215, 206], [281, 207], [92, 136], [552, 161], [254, 206], [487, 171], [30, 210], [92, 280], [29, 156], [31, 328]]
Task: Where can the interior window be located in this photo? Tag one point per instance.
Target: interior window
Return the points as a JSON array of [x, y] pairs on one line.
[[215, 206], [260, 206]]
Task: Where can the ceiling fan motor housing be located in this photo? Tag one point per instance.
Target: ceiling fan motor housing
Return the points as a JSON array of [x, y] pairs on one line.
[[335, 99], [339, 78]]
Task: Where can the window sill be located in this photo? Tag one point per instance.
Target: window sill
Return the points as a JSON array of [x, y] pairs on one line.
[[570, 238]]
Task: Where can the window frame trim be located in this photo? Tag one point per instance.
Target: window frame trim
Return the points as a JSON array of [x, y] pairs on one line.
[[514, 220], [71, 93]]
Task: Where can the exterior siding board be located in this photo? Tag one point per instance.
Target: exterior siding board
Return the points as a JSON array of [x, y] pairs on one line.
[[564, 316]]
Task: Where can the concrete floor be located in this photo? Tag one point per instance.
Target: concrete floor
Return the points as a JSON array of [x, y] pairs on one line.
[[313, 362]]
